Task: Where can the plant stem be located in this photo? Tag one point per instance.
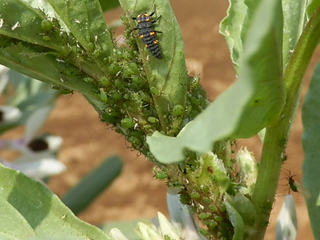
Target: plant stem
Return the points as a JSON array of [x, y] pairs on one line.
[[277, 135]]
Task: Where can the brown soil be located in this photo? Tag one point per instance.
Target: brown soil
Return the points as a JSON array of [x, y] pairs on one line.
[[135, 194]]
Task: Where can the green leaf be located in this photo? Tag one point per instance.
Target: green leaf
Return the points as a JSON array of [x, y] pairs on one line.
[[29, 209], [236, 221], [310, 142], [107, 5], [235, 25], [23, 58], [86, 22], [46, 51], [23, 22], [231, 28], [293, 12], [312, 6], [10, 219], [92, 185], [244, 207], [252, 103]]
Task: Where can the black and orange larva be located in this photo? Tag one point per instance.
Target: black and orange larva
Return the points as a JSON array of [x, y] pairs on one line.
[[148, 34]]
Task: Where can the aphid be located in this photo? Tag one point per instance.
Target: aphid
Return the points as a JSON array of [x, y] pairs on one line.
[[296, 186], [292, 184], [147, 33]]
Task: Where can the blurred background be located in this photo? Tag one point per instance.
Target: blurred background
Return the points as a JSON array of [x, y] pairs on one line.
[[136, 194]]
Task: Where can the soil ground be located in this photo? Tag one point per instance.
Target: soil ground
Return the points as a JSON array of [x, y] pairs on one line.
[[135, 194]]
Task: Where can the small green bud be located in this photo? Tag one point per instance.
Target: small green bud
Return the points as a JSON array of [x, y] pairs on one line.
[[248, 168]]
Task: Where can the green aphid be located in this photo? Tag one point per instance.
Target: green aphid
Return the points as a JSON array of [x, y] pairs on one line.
[[127, 123], [46, 25]]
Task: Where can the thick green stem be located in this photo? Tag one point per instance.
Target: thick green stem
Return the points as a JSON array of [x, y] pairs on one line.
[[277, 135]]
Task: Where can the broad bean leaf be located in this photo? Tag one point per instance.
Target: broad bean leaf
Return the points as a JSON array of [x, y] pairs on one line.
[[235, 25], [236, 221], [39, 38], [293, 12], [312, 6], [86, 22], [252, 103], [310, 143], [28, 209]]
